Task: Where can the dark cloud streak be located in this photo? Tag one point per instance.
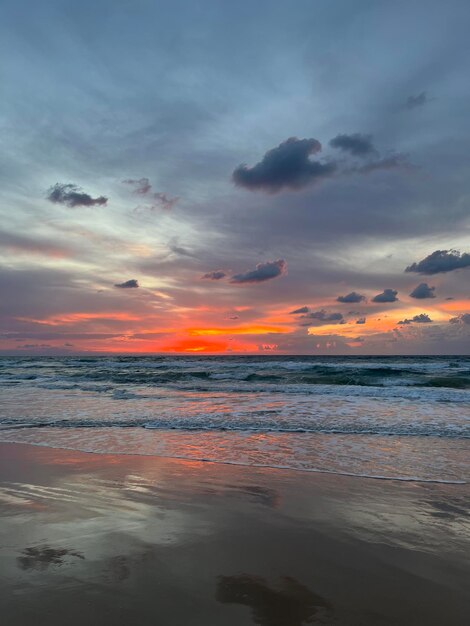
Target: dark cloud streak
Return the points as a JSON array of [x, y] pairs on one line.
[[216, 275], [263, 272], [73, 196], [356, 144], [351, 297], [128, 284]]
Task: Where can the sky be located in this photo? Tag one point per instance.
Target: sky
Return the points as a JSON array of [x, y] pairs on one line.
[[253, 177]]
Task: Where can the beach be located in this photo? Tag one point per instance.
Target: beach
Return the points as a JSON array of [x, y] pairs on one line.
[[126, 539]]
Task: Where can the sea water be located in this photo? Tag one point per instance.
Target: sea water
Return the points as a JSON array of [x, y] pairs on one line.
[[404, 418]]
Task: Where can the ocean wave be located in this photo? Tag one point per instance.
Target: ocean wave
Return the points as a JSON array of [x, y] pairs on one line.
[[270, 372], [251, 425]]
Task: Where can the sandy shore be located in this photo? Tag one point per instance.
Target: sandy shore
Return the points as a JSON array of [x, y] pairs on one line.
[[114, 540]]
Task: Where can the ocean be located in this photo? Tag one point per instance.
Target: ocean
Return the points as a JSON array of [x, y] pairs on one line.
[[400, 418]]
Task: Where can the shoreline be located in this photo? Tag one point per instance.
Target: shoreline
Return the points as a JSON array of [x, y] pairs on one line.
[[117, 539], [240, 464], [379, 457]]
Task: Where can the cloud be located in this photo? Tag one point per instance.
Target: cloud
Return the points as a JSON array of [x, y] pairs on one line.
[[422, 318], [286, 166], [73, 196], [303, 309], [387, 295], [441, 261], [361, 320], [159, 200], [351, 297], [461, 319], [216, 275], [21, 244], [129, 284], [356, 144], [263, 271], [417, 101], [142, 185], [323, 317], [422, 291], [175, 247], [396, 161], [163, 201]]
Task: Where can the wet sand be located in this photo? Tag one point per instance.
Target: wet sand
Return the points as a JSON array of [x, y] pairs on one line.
[[128, 540]]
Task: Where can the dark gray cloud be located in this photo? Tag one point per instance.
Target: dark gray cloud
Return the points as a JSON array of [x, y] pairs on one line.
[[286, 166], [216, 275], [422, 291], [73, 196], [422, 318], [356, 144], [361, 320], [351, 297], [129, 284], [323, 317], [461, 319], [417, 101], [303, 309], [387, 295], [263, 272], [441, 261]]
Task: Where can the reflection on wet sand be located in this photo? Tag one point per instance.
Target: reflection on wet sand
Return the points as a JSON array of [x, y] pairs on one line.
[[257, 494], [113, 541], [41, 557], [292, 604], [448, 510]]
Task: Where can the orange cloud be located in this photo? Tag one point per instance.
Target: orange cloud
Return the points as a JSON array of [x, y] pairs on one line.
[[459, 306], [239, 330], [196, 345]]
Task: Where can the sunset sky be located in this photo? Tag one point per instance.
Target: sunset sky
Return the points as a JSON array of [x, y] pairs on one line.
[[252, 177]]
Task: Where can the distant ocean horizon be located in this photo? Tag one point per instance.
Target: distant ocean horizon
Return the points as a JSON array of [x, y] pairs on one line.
[[392, 417]]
